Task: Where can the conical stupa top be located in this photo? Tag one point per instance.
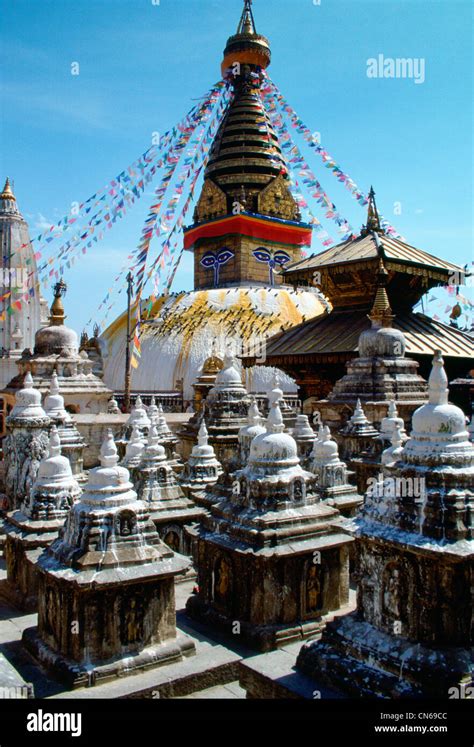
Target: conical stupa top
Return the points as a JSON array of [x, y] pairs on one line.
[[373, 218], [391, 421], [275, 394], [439, 434], [254, 416], [138, 414], [302, 427], [359, 417], [28, 402], [153, 410], [54, 443], [229, 375], [6, 193], [438, 381], [274, 421], [381, 312], [54, 401], [246, 46], [134, 448], [154, 450], [203, 436], [108, 451], [325, 450], [394, 452], [247, 23]]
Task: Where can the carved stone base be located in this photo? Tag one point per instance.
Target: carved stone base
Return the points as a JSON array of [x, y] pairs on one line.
[[25, 541], [259, 637], [76, 675], [359, 660]]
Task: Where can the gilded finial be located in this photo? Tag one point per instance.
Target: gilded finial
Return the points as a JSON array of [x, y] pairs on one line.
[[7, 193], [57, 315], [247, 23], [373, 219], [381, 312]]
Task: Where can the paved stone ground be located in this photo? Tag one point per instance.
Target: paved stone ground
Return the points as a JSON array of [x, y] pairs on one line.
[[212, 673]]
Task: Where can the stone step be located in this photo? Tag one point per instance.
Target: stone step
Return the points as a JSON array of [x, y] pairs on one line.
[[227, 692], [273, 675], [212, 666], [12, 685]]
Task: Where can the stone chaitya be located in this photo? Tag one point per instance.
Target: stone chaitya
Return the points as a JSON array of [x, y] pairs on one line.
[[134, 450], [304, 437], [202, 468], [56, 350], [206, 379], [72, 443], [272, 558], [225, 410], [412, 632], [380, 373], [254, 427], [109, 573], [36, 524], [166, 437], [138, 418], [25, 444], [158, 487], [360, 446], [333, 482]]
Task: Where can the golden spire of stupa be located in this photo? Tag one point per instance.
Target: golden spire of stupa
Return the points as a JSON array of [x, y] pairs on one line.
[[7, 193], [381, 312]]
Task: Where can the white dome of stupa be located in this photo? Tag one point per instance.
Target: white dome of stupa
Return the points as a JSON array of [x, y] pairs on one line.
[[185, 327], [439, 430]]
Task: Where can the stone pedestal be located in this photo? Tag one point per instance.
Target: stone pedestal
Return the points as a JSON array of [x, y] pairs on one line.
[[106, 587], [271, 557], [412, 633]]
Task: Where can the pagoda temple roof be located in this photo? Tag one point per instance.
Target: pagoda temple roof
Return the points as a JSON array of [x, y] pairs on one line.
[[337, 334], [372, 246]]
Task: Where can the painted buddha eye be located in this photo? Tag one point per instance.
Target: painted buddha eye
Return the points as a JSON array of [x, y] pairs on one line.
[[224, 255], [208, 260], [281, 258], [262, 255]]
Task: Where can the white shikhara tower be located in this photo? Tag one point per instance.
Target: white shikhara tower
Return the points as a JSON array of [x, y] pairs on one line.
[[17, 262]]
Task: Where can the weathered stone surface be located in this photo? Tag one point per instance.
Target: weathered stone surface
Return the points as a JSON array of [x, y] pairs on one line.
[[271, 557], [26, 443], [412, 632], [106, 586], [33, 527]]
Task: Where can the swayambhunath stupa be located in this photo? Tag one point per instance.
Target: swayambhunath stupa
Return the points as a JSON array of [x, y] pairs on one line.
[[260, 487]]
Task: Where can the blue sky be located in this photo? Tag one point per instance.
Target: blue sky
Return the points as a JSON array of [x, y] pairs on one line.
[[142, 65]]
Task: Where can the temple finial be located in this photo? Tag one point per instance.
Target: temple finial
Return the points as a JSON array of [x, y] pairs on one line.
[[247, 22], [381, 313], [373, 218], [57, 315], [7, 193]]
